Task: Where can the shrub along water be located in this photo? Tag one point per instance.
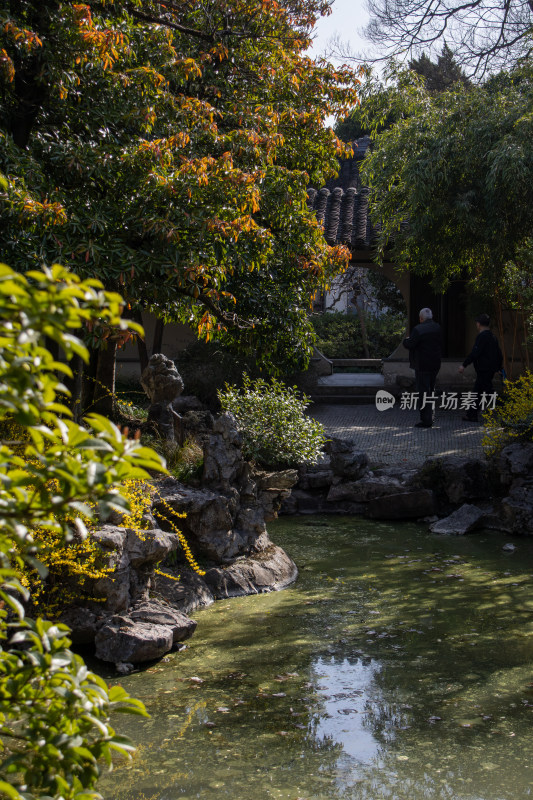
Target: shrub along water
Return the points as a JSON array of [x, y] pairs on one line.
[[276, 432], [55, 479]]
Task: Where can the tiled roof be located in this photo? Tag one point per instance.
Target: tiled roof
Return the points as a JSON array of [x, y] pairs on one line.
[[341, 206]]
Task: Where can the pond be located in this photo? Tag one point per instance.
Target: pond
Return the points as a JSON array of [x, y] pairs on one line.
[[399, 666]]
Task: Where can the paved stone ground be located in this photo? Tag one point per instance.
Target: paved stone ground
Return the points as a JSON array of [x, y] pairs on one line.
[[388, 437]]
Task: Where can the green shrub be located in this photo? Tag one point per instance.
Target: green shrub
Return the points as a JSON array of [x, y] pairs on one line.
[[339, 335], [276, 432], [185, 462], [56, 476]]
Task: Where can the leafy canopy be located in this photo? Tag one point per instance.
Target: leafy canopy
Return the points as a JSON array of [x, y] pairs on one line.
[[54, 713], [452, 180], [167, 150]]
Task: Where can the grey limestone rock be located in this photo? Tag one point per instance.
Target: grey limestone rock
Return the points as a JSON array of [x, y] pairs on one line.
[[122, 639], [465, 519], [367, 489], [156, 612], [209, 522], [183, 589], [161, 380], [149, 630], [162, 383], [270, 570], [516, 461], [131, 555], [83, 623], [345, 459], [517, 509], [458, 478]]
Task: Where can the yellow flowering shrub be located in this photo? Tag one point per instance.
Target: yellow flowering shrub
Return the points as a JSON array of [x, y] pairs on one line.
[[82, 558], [512, 419]]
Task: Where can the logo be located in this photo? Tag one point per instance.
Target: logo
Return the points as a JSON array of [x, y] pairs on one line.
[[384, 400]]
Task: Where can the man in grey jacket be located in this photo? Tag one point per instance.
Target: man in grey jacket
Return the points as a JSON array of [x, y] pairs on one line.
[[425, 353]]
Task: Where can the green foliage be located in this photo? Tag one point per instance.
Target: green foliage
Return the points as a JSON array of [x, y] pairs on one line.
[[516, 290], [167, 149], [54, 714], [185, 462], [512, 419], [339, 335], [452, 180], [440, 75], [276, 432]]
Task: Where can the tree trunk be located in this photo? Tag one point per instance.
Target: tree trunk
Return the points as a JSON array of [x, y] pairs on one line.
[[361, 313], [142, 350], [104, 390], [75, 387], [158, 336]]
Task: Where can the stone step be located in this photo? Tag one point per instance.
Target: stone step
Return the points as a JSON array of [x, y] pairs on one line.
[[343, 399], [320, 390]]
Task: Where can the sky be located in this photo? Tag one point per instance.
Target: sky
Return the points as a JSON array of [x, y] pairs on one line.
[[346, 20]]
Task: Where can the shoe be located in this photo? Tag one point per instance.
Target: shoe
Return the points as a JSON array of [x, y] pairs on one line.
[[423, 425], [470, 419]]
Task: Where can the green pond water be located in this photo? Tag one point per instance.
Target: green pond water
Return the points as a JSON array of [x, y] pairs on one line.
[[398, 666]]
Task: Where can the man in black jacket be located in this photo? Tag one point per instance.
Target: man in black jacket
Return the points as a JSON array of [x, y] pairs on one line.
[[425, 352], [487, 359]]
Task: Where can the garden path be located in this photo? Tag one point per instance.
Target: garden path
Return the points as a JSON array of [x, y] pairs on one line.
[[389, 437]]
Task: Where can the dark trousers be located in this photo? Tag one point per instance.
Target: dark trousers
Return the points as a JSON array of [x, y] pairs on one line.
[[483, 385], [425, 384]]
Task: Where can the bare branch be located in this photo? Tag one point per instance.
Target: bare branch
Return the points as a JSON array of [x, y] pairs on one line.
[[484, 35]]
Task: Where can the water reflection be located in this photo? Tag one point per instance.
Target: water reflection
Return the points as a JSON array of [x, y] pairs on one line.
[[399, 666]]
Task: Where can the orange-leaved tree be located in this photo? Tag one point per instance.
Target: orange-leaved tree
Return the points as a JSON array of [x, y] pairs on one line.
[[166, 148]]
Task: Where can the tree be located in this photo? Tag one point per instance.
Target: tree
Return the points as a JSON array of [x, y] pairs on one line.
[[55, 476], [485, 35], [441, 75], [167, 150], [452, 181]]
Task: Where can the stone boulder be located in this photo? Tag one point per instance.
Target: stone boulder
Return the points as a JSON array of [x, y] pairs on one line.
[[517, 510], [272, 489], [123, 640], [268, 571], [209, 522], [316, 476], [83, 623], [516, 462], [366, 489], [146, 633], [224, 466], [465, 519], [457, 479], [346, 460], [182, 589], [156, 612], [132, 555]]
